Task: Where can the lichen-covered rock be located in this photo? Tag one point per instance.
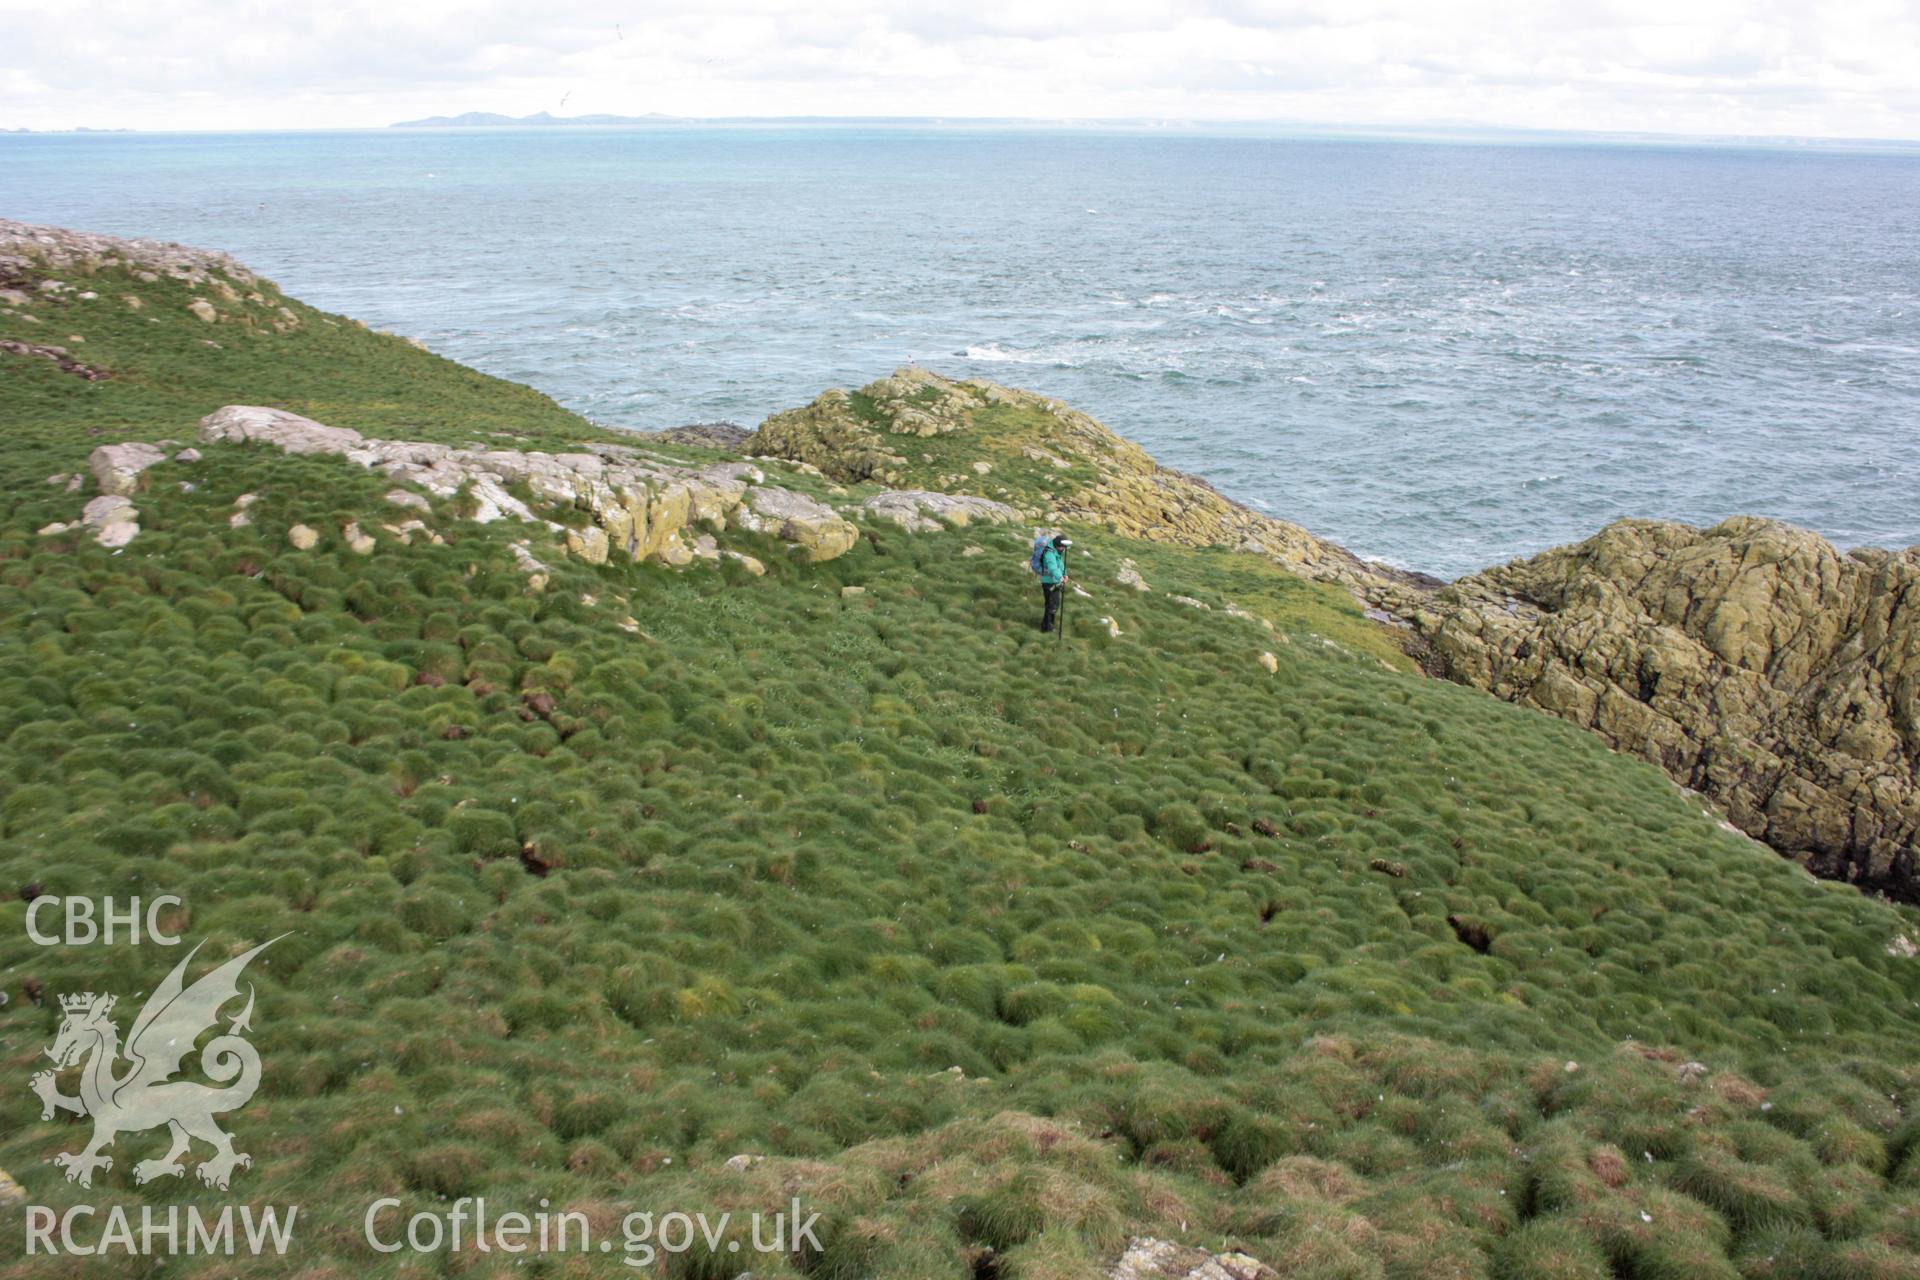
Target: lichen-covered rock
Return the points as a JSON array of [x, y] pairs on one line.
[[240, 423], [116, 467], [828, 434], [1149, 1259], [916, 402], [729, 436], [114, 520], [590, 544], [408, 498], [812, 526], [53, 248], [922, 511], [1752, 661], [640, 505]]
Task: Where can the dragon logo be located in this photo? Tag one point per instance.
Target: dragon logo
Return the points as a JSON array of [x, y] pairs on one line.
[[142, 1097]]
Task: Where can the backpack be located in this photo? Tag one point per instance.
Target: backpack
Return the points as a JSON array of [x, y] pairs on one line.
[[1040, 545]]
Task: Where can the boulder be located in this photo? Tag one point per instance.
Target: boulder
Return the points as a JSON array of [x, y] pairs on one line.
[[204, 309], [113, 518], [1146, 1258], [303, 537], [116, 467], [812, 526]]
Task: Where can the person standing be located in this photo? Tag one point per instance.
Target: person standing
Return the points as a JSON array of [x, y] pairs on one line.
[[1053, 580]]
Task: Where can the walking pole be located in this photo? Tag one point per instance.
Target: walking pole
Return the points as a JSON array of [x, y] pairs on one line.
[[1062, 619]]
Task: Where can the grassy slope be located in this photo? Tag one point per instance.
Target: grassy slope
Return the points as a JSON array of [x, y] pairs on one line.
[[804, 853]]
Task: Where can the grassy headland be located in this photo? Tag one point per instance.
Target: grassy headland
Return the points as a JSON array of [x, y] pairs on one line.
[[1002, 951]]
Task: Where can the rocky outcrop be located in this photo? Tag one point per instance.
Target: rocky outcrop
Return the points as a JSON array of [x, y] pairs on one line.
[[727, 436], [830, 435], [812, 526], [36, 257], [922, 511], [1752, 661], [1086, 471], [249, 424], [24, 246], [639, 506]]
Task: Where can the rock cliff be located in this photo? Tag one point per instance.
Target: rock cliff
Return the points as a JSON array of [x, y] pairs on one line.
[[1752, 661]]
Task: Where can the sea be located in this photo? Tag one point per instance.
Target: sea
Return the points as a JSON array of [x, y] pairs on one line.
[[1440, 353]]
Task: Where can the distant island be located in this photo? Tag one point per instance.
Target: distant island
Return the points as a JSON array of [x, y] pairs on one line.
[[540, 119]]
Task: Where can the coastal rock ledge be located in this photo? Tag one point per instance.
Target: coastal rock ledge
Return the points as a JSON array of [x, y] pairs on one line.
[[641, 507], [1753, 661]]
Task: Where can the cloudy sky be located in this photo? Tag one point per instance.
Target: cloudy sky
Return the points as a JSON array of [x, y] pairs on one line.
[[1837, 68]]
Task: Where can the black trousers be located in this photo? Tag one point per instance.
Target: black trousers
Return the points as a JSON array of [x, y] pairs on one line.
[[1053, 593]]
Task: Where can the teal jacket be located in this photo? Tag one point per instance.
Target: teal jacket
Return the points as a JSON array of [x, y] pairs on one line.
[[1053, 567]]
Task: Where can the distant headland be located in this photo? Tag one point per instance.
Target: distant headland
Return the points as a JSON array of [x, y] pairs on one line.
[[540, 119]]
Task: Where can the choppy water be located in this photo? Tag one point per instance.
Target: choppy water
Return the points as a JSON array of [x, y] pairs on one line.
[[1443, 355]]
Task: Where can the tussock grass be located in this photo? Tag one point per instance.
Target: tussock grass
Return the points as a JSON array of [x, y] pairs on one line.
[[774, 865]]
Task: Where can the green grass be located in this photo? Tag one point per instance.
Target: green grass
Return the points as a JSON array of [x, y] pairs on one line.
[[775, 864]]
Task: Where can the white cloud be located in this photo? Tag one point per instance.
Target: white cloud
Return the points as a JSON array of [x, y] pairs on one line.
[[1842, 68]]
